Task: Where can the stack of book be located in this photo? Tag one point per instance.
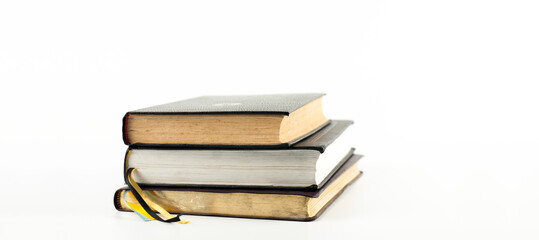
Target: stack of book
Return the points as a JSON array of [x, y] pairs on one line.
[[262, 156]]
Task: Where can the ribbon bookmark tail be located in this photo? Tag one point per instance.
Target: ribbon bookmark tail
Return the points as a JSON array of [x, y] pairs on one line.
[[145, 205]]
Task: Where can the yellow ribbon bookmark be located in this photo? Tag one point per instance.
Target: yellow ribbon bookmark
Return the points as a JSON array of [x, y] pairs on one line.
[[135, 207], [140, 209]]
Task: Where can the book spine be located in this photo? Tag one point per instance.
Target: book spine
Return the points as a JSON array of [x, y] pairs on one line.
[[127, 153], [118, 200], [125, 137]]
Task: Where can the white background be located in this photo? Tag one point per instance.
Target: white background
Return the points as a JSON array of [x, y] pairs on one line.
[[444, 95]]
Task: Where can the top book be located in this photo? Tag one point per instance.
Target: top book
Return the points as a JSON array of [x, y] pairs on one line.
[[258, 120]]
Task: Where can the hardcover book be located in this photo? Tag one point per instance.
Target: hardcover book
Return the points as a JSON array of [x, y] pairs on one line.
[[270, 120], [307, 164], [285, 204]]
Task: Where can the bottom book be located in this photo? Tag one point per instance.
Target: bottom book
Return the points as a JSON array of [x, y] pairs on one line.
[[286, 204]]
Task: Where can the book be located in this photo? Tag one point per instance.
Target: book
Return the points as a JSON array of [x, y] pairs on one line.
[[270, 203], [306, 164], [278, 120]]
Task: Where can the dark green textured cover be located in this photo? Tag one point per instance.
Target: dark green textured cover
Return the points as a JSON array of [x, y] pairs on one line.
[[276, 103]]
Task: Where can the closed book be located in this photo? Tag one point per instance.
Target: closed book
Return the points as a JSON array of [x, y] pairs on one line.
[[269, 120], [307, 164], [248, 202]]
